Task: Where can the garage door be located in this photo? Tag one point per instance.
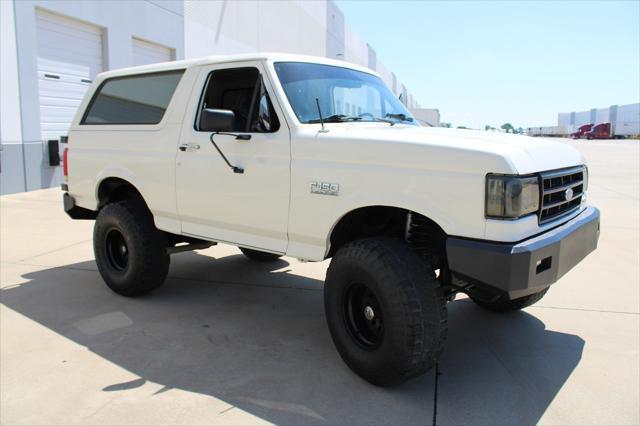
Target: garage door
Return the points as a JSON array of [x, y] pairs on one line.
[[145, 52], [69, 57]]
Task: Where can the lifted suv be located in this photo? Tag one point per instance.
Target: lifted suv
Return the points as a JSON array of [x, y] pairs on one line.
[[316, 159]]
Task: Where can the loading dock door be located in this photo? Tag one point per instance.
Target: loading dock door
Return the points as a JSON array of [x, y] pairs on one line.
[[145, 52], [70, 54]]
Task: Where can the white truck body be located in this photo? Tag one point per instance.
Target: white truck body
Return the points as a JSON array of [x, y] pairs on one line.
[[437, 172], [237, 150]]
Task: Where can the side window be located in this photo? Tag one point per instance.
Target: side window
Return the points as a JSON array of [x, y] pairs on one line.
[[241, 90], [138, 99]]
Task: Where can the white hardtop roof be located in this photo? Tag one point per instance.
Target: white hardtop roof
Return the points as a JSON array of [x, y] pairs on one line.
[[221, 59]]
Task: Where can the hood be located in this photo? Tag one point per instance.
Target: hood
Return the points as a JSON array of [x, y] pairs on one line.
[[519, 154]]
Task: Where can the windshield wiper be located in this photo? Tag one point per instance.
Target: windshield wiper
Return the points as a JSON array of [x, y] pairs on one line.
[[400, 116], [382, 120], [336, 118], [395, 120]]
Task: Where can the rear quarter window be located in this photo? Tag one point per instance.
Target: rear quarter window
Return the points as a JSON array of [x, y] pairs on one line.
[[136, 99]]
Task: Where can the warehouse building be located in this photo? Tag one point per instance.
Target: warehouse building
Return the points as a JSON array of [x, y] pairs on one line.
[[624, 119], [427, 116], [51, 51]]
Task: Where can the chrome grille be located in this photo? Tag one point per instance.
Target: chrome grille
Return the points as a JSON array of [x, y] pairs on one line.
[[561, 193]]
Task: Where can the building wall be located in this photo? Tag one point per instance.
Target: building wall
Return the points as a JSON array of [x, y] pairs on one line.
[[336, 43], [228, 27], [291, 26], [11, 165], [582, 117], [386, 74], [24, 153], [625, 119], [427, 116], [189, 28], [355, 50]]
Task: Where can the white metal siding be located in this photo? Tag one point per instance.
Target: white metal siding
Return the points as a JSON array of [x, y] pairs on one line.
[[583, 117], [145, 52], [628, 120], [69, 57], [602, 116]]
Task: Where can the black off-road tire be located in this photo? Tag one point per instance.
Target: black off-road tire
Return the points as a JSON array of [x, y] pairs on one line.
[[409, 304], [260, 256], [502, 305], [143, 264]]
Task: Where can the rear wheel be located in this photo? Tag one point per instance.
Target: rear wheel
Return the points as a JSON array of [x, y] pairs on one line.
[[129, 250], [503, 305], [260, 256], [386, 314]]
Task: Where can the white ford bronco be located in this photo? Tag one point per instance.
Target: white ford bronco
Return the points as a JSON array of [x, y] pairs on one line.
[[314, 159]]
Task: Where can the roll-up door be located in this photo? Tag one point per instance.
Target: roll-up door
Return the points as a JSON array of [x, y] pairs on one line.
[[70, 54], [145, 52]]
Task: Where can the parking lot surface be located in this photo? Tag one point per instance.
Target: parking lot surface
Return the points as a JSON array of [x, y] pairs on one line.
[[229, 341]]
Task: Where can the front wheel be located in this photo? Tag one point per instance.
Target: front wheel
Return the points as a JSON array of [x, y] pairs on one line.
[[386, 314], [503, 305]]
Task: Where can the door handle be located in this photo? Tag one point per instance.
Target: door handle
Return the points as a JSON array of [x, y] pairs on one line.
[[189, 147]]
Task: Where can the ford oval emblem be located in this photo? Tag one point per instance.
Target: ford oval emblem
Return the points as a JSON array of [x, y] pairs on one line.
[[568, 194]]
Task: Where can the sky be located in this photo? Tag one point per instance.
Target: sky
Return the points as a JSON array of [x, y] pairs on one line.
[[491, 62]]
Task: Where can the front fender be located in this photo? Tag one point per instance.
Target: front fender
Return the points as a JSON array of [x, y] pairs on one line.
[[454, 201]]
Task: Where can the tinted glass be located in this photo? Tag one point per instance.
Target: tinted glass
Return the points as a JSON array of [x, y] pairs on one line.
[[340, 91], [232, 89], [242, 91], [263, 123], [139, 99], [266, 119]]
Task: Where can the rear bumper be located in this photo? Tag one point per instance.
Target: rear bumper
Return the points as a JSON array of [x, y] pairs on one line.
[[516, 270], [74, 211]]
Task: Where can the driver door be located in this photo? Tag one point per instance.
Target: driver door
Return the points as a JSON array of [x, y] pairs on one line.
[[249, 209]]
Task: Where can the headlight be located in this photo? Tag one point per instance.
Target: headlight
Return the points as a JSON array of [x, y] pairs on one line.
[[511, 197]]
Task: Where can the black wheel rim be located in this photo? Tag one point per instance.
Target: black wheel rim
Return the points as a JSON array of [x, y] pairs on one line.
[[363, 316], [117, 250]]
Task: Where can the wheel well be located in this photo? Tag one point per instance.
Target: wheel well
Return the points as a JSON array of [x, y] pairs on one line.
[[116, 189], [425, 236]]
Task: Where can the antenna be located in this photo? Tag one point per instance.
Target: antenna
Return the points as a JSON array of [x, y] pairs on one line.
[[322, 129]]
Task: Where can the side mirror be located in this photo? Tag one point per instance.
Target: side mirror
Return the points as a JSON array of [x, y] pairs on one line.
[[217, 120]]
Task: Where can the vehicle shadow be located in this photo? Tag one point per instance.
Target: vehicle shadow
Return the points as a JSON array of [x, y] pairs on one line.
[[254, 336]]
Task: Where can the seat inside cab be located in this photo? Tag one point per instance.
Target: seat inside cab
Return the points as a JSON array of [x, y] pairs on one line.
[[233, 89]]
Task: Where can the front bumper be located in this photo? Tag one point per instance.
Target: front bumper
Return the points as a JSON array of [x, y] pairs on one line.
[[520, 269]]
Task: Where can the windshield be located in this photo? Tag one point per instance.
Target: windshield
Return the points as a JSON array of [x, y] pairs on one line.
[[344, 94]]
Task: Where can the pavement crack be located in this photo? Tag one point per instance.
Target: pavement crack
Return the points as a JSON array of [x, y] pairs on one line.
[[245, 284], [99, 408], [55, 250], [435, 395], [241, 283], [602, 311], [72, 268], [227, 409]]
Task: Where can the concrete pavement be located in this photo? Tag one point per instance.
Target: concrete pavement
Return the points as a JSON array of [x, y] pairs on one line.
[[229, 341]]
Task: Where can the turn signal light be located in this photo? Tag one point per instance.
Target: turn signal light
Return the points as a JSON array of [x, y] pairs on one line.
[[65, 163]]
